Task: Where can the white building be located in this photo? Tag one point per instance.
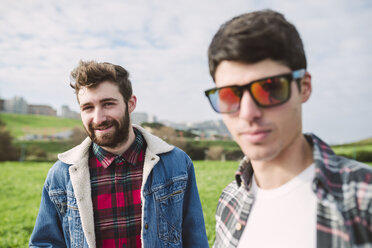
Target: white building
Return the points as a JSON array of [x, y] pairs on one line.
[[141, 117], [16, 105], [66, 112]]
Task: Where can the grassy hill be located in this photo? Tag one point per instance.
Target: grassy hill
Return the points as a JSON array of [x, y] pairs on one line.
[[363, 142], [23, 124]]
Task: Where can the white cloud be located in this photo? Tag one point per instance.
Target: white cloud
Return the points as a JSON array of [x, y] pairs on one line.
[[163, 44]]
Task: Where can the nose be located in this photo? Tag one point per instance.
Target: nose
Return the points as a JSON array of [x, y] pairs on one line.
[[249, 110], [98, 116]]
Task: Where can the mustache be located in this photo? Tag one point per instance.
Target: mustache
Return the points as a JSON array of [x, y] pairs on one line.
[[102, 125]]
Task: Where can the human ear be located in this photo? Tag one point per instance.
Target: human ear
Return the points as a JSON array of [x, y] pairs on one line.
[[132, 102], [306, 87]]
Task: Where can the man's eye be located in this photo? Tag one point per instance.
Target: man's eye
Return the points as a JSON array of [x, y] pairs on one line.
[[108, 104], [86, 108]]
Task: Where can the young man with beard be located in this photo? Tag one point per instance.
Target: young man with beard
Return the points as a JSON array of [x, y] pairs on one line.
[[291, 190], [122, 186]]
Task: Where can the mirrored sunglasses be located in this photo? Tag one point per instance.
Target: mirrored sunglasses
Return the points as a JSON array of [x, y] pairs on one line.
[[266, 92]]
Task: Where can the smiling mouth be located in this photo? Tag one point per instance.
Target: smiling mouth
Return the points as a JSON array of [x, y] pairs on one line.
[[100, 129]]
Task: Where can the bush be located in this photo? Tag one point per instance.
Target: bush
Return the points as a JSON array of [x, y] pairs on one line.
[[234, 155], [179, 142], [155, 125], [214, 153], [36, 153], [361, 155], [195, 152], [364, 156], [8, 152]]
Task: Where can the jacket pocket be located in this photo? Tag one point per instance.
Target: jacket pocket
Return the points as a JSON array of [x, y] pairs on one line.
[[58, 197], [169, 209]]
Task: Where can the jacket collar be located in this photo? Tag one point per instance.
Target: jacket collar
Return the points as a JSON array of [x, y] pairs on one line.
[[154, 144]]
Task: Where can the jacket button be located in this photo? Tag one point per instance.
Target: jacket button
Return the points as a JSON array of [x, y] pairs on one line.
[[146, 226]]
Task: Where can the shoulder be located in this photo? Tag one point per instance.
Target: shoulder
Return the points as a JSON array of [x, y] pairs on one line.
[[229, 196], [231, 188], [346, 171], [58, 175], [338, 173], [176, 155], [347, 180], [171, 166], [353, 172]]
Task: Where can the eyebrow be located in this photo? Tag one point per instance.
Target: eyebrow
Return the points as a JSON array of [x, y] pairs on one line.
[[109, 99]]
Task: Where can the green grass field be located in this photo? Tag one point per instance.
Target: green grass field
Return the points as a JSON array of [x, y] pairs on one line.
[[212, 177], [21, 185], [22, 124]]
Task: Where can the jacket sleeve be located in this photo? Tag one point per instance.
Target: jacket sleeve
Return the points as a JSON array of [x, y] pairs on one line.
[[193, 230], [48, 228]]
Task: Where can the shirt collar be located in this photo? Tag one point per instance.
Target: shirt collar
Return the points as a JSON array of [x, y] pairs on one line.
[[244, 173], [130, 156]]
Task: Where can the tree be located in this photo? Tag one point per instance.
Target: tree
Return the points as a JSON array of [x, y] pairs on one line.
[[8, 152], [77, 136]]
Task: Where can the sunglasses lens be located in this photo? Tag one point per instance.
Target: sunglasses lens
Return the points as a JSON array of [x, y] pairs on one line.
[[267, 92], [225, 100], [271, 91], [229, 99]]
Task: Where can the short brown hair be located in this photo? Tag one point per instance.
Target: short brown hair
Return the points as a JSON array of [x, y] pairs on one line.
[[91, 73], [256, 36]]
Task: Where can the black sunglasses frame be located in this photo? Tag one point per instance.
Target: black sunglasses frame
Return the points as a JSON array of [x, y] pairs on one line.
[[294, 75]]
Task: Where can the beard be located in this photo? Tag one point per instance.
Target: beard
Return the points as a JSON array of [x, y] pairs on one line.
[[112, 139]]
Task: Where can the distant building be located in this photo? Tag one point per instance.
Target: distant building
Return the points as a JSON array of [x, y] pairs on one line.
[[138, 118], [141, 117], [16, 105], [214, 129], [41, 110], [68, 113], [152, 119]]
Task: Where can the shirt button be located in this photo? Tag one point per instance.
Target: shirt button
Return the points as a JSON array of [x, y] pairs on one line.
[[146, 226], [238, 226], [152, 158]]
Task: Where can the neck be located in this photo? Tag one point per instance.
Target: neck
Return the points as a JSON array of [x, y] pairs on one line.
[[122, 147], [284, 167]]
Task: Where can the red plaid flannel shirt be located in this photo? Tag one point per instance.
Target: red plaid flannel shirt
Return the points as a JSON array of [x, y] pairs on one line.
[[116, 194]]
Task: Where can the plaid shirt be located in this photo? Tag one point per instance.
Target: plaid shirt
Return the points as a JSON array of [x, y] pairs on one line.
[[344, 191], [116, 194]]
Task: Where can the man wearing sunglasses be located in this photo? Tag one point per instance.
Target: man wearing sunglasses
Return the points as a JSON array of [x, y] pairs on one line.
[[291, 190]]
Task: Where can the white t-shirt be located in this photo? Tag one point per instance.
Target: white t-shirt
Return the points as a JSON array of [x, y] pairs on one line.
[[284, 216]]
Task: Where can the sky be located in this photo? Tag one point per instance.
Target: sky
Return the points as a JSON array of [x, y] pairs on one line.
[[163, 44]]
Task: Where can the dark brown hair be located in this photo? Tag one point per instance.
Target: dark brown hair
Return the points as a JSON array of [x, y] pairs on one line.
[[90, 74], [256, 36]]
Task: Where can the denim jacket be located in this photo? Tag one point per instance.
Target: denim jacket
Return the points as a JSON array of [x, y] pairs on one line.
[[171, 210]]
